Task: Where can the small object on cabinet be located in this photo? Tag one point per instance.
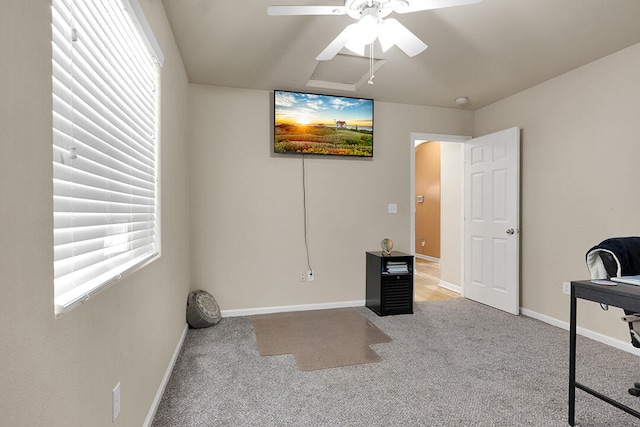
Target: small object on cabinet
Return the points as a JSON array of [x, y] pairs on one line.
[[386, 245]]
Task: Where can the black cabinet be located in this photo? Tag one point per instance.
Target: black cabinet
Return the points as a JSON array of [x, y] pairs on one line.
[[390, 283]]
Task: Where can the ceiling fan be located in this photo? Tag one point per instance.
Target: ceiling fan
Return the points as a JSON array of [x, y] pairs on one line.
[[371, 24]]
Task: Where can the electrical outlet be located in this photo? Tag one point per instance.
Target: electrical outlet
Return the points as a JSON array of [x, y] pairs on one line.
[[303, 276], [566, 288], [115, 395], [310, 276]]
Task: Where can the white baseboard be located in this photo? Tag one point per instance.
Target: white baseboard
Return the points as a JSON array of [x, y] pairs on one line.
[[451, 287], [282, 309], [165, 380], [596, 336], [427, 258]]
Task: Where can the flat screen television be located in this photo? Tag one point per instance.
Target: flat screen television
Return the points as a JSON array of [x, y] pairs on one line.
[[309, 123]]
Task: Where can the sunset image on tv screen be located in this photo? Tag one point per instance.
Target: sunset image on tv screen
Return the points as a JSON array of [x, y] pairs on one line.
[[308, 123]]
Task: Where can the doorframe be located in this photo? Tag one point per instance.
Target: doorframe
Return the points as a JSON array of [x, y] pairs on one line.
[[419, 136]]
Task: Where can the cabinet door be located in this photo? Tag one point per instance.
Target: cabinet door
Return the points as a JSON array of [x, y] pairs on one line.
[[397, 294]]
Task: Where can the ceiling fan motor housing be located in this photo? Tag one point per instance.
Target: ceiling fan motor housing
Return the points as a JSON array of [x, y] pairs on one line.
[[378, 9]]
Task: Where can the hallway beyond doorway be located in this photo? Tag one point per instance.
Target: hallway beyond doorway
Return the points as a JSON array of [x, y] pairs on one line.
[[426, 282]]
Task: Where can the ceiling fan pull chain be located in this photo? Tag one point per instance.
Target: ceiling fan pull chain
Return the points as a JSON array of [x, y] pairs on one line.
[[371, 76]]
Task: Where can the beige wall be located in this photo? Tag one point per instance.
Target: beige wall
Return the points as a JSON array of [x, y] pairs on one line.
[[246, 235], [451, 213], [580, 175], [60, 372], [246, 214]]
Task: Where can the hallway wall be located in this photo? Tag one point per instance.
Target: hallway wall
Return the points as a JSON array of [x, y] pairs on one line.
[[427, 185]]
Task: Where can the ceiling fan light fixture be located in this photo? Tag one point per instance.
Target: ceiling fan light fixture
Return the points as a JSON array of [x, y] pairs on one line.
[[364, 32], [357, 48]]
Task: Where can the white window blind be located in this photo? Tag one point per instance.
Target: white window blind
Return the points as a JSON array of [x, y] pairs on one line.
[[105, 179]]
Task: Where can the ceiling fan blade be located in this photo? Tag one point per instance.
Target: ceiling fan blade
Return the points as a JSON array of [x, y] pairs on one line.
[[393, 32], [418, 5], [337, 44], [305, 10], [357, 48], [386, 34]]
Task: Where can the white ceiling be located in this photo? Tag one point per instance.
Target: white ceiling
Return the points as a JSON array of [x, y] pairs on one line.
[[485, 51]]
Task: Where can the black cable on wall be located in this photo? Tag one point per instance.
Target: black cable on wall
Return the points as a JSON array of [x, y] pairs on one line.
[[306, 219]]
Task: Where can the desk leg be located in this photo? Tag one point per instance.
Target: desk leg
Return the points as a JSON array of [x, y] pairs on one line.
[[572, 359]]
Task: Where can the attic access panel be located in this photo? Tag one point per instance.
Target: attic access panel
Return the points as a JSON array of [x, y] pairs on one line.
[[344, 72]]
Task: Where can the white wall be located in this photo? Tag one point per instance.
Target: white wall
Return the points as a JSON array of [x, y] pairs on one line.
[[60, 372], [247, 230], [580, 175], [451, 213]]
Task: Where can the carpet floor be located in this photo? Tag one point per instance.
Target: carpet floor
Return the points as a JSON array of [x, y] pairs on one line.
[[451, 363]]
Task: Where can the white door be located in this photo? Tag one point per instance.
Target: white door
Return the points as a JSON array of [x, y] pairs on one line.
[[492, 220]]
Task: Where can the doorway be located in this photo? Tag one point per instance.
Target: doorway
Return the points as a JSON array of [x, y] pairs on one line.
[[443, 272], [486, 266]]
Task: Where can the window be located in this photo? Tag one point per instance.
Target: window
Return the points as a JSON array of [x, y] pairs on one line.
[[105, 150]]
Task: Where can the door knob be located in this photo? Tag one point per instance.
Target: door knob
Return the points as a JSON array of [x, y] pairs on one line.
[[510, 231]]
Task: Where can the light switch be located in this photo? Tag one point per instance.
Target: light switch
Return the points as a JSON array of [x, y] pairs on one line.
[[392, 208]]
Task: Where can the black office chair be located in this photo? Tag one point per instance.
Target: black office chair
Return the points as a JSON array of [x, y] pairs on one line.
[[619, 256]]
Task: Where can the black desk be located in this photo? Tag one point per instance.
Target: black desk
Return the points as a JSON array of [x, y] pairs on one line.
[[621, 295]]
